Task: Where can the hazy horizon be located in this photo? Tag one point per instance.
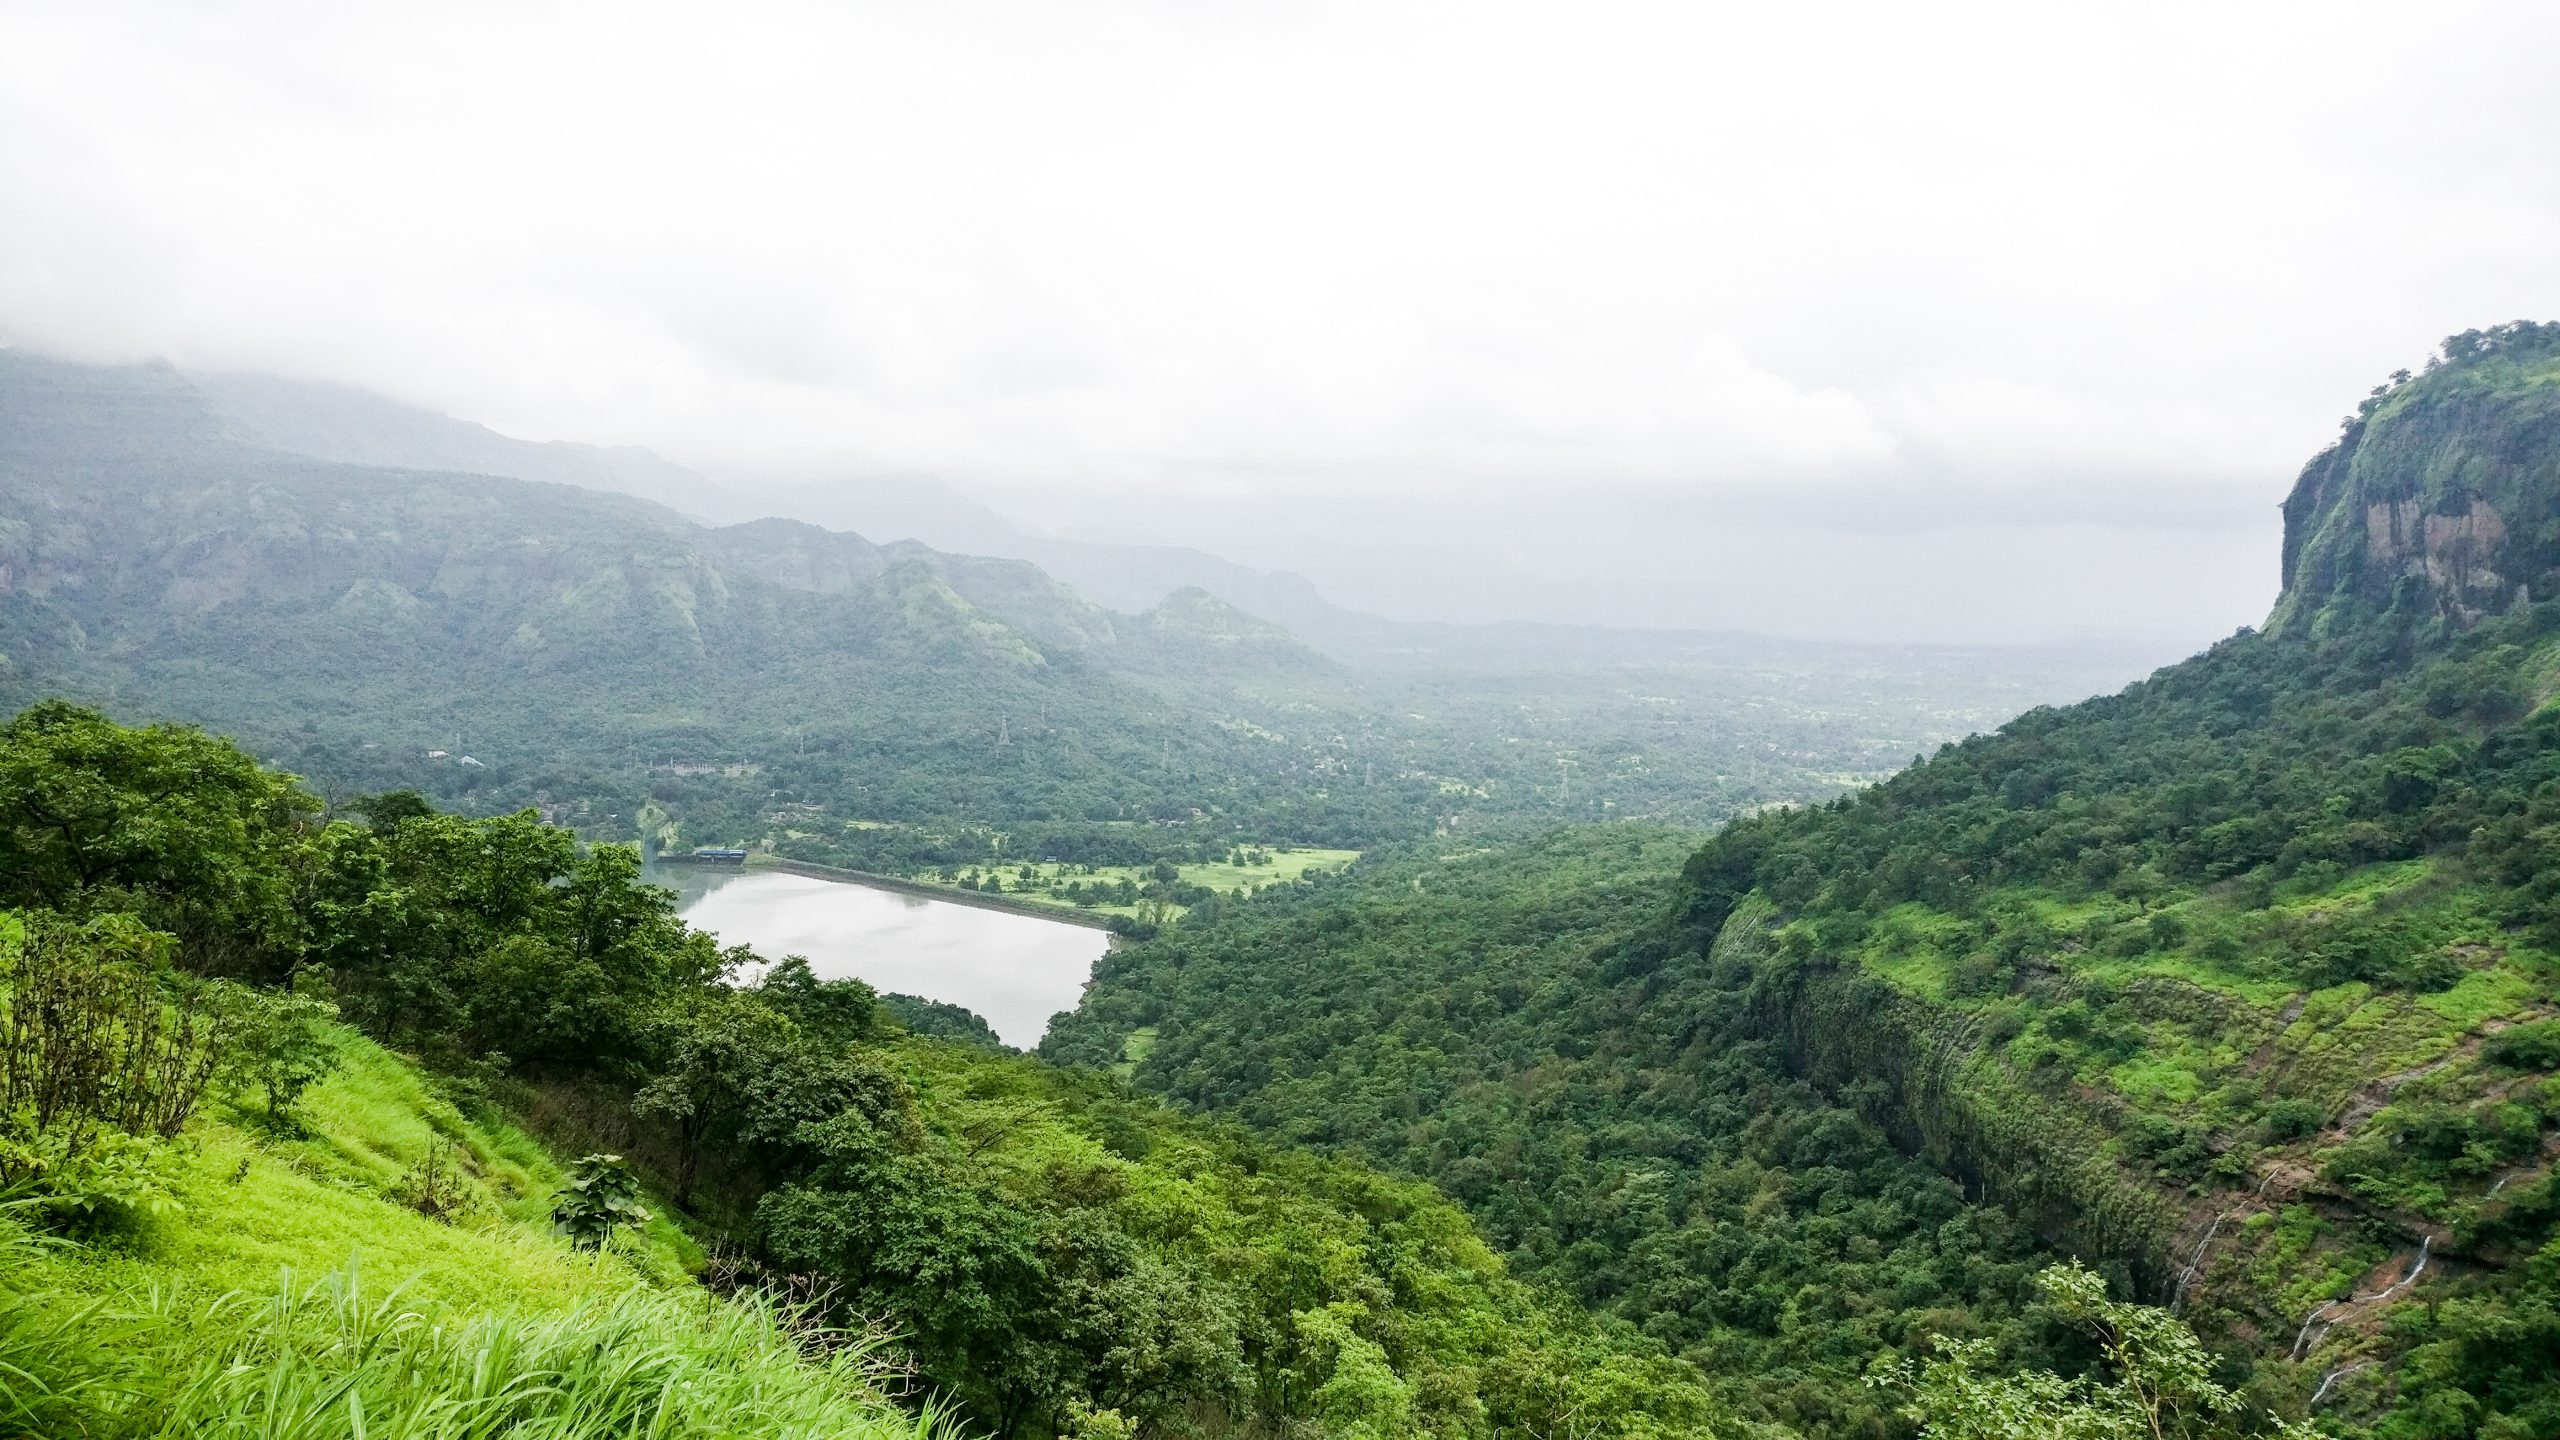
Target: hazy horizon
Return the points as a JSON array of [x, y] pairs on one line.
[[1977, 325]]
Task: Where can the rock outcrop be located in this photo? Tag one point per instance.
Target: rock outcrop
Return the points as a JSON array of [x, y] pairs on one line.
[[2441, 501]]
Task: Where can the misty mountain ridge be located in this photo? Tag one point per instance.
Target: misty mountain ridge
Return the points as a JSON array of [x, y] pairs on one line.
[[375, 539], [348, 619], [357, 427], [353, 426]]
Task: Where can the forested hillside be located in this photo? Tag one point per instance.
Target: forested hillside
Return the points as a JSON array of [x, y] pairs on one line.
[[1629, 1134], [2240, 984], [843, 1223]]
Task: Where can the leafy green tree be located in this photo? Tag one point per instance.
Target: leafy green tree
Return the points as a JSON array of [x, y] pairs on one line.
[[841, 1012], [714, 1055], [282, 1042], [2157, 1380], [167, 822], [1356, 1393], [600, 1196]]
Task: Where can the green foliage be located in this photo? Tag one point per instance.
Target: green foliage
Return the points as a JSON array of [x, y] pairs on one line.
[[283, 1042], [2293, 1119], [836, 1011], [498, 936], [2532, 1046], [599, 1197], [167, 822], [733, 1071], [942, 1020], [1054, 1254], [1623, 1127], [1061, 1255], [103, 1047], [2157, 1381]]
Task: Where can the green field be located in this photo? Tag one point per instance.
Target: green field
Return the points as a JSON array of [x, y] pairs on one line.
[[1047, 883]]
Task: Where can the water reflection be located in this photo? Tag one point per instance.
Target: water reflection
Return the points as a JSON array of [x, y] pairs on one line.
[[1016, 970]]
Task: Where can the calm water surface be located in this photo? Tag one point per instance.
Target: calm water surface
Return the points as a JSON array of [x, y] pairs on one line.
[[1016, 970]]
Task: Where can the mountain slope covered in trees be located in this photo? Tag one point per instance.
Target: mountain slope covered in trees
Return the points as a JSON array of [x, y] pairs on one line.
[[640, 674], [2241, 984]]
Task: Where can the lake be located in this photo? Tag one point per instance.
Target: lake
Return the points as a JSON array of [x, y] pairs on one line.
[[1016, 970]]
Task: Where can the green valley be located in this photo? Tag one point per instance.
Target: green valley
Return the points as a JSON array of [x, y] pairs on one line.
[[233, 1213], [1124, 889], [1279, 721]]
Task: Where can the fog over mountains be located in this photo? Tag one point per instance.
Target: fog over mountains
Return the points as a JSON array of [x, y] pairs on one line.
[[333, 422], [348, 425]]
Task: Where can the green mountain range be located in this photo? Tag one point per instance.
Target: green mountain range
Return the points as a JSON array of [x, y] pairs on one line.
[[630, 669]]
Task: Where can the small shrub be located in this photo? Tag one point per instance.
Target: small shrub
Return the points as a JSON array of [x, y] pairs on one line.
[[436, 1186], [284, 1046], [2293, 1119], [100, 1037], [112, 1182], [2178, 1150], [2535, 1046], [601, 1196]]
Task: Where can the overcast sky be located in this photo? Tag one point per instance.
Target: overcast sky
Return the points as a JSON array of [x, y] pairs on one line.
[[1956, 321]]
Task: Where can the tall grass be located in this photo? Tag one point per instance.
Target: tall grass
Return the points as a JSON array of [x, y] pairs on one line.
[[332, 1359]]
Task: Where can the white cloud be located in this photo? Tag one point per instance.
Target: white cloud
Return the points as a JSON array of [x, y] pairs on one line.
[[1164, 269]]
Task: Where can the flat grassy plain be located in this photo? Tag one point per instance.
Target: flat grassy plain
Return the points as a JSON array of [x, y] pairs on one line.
[[1046, 883]]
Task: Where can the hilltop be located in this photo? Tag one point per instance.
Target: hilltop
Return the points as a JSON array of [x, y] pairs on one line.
[[2436, 501]]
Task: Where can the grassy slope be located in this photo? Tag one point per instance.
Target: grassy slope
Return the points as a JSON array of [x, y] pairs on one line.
[[299, 1291], [2224, 1040], [257, 1203]]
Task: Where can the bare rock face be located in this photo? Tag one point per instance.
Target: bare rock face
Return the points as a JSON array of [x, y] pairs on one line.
[[2454, 555], [2441, 501]]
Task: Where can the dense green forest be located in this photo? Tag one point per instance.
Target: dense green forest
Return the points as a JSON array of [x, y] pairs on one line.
[[189, 939], [1471, 1018], [497, 644], [2240, 985], [283, 1096]]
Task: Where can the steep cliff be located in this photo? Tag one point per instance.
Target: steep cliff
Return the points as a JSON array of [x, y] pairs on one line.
[[2246, 979], [2438, 500]]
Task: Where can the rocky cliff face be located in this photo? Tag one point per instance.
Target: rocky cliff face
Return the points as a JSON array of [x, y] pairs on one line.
[[2441, 501]]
